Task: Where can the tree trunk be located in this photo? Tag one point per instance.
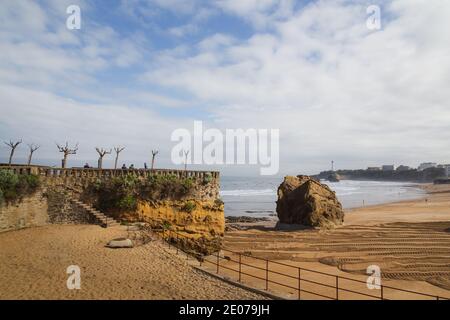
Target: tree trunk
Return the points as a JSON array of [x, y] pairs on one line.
[[153, 162], [115, 162], [64, 161], [100, 162], [29, 158], [11, 156]]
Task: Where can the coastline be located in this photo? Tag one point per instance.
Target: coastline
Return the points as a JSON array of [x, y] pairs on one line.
[[434, 205], [409, 240]]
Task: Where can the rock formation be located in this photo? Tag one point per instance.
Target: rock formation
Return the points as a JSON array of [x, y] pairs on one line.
[[305, 201]]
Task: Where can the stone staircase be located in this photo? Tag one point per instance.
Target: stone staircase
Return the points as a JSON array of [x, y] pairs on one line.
[[104, 220]]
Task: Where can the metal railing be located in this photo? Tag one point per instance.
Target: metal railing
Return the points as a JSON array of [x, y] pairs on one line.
[[336, 283]]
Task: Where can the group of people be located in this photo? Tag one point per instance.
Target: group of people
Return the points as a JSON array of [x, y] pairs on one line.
[[124, 167]]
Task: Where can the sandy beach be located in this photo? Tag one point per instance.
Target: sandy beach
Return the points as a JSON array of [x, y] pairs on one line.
[[409, 241], [34, 261]]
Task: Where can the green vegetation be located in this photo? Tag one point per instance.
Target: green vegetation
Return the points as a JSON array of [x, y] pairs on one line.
[[117, 193], [14, 186], [123, 192], [166, 225], [127, 202], [167, 186], [189, 206], [207, 178]]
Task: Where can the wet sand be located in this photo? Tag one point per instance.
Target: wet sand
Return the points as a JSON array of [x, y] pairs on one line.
[[409, 241]]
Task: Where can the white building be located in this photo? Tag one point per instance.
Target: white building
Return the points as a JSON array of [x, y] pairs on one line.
[[427, 165], [446, 167]]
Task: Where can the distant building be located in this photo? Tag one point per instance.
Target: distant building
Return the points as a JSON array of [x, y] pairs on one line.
[[387, 167], [403, 168], [427, 165], [373, 169], [446, 167]]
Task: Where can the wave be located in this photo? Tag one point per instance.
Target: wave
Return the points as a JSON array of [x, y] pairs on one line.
[[248, 192]]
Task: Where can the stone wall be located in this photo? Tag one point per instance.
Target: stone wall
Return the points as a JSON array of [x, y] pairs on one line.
[[46, 205], [31, 211], [62, 211], [50, 204]]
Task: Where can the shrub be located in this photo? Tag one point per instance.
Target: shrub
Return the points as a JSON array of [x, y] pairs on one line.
[[166, 225], [128, 202], [8, 179], [187, 184], [207, 178], [13, 186], [189, 206]]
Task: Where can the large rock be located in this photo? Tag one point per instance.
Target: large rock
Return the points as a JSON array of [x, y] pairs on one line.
[[120, 243], [305, 201]]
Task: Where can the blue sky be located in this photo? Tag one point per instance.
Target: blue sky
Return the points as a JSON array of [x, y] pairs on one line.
[[139, 69]]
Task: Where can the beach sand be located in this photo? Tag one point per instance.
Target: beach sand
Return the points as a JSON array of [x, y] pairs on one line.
[[33, 265], [409, 241]]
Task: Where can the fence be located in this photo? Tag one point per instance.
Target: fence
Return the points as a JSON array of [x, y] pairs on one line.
[[336, 284]]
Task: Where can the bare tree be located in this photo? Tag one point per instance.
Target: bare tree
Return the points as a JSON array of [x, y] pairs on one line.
[[101, 152], [117, 150], [13, 146], [185, 159], [33, 148], [154, 153], [66, 151]]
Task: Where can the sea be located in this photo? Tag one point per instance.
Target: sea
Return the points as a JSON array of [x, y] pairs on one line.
[[256, 196]]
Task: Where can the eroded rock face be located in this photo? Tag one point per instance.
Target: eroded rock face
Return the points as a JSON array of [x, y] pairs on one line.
[[305, 201]]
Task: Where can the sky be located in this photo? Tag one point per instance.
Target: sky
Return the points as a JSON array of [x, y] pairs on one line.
[[137, 70]]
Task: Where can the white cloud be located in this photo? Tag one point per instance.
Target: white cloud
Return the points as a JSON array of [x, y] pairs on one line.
[[332, 86], [335, 89]]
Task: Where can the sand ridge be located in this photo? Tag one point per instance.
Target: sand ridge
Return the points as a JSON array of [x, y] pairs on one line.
[[409, 240]]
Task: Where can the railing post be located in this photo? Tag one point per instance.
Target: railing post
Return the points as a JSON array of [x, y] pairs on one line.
[[382, 293], [299, 283], [177, 243], [267, 274], [240, 266], [218, 261], [337, 288]]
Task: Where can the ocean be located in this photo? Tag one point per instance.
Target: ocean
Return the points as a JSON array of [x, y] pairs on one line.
[[256, 196]]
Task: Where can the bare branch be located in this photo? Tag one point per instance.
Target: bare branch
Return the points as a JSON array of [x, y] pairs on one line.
[[66, 150], [12, 144], [118, 149], [33, 147], [102, 152]]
